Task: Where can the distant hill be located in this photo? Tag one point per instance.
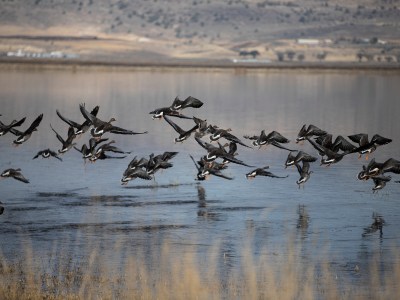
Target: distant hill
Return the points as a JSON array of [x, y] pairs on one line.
[[303, 30]]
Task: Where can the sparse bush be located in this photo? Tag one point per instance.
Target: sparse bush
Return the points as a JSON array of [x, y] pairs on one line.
[[373, 40], [301, 57], [290, 54], [398, 57], [389, 59], [322, 55], [369, 57]]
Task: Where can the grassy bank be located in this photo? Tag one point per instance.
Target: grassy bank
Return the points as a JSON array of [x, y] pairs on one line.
[[171, 274]]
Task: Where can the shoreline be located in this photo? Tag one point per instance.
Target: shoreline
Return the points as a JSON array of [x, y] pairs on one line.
[[203, 64]]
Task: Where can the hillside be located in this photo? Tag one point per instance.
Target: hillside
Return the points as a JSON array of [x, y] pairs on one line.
[[155, 30]]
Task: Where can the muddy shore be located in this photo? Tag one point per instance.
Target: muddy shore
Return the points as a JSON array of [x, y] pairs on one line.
[[17, 63]]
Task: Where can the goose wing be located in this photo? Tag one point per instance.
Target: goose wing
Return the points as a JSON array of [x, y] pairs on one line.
[[360, 138], [325, 140], [59, 137], [380, 140], [35, 124], [175, 126], [119, 130], [205, 145], [302, 132], [276, 144], [306, 167], [314, 130], [303, 156], [321, 149], [230, 158], [262, 172], [219, 174], [17, 175], [195, 163], [54, 154], [142, 174], [391, 165], [276, 136], [69, 122], [191, 102], [38, 154], [173, 113], [89, 117], [232, 138], [342, 144]]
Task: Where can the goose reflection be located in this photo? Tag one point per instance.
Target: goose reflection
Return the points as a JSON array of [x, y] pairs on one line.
[[303, 219], [201, 194], [203, 212], [376, 225]]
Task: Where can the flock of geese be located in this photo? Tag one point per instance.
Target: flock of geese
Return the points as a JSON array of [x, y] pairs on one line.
[[221, 147]]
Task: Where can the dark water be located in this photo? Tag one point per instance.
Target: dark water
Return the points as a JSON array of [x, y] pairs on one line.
[[70, 204]]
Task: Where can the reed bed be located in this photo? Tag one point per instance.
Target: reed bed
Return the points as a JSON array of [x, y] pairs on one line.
[[165, 273]]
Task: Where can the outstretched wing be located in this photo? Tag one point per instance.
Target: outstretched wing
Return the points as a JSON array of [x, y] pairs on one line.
[[205, 145], [119, 130], [38, 154], [59, 137], [195, 163], [174, 126], [380, 140], [232, 138], [35, 123], [360, 138], [282, 147], [269, 174], [69, 122], [219, 174], [20, 177], [191, 102]]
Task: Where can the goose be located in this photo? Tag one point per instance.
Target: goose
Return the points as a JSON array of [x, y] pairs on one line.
[[304, 172], [7, 128], [25, 135], [14, 173], [183, 134], [301, 156], [309, 131], [46, 154], [365, 146], [273, 138], [262, 172], [100, 127], [80, 128], [68, 143]]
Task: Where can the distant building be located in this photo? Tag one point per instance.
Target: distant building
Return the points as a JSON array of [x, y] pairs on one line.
[[308, 41]]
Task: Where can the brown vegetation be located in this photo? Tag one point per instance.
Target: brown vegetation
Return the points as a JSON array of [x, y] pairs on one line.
[[171, 275], [114, 30]]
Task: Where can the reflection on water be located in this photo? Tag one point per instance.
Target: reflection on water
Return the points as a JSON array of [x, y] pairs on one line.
[[73, 202]]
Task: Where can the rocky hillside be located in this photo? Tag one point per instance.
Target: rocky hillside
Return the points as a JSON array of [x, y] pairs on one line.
[[303, 30]]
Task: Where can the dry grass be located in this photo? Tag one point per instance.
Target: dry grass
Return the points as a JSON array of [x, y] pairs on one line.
[[166, 274]]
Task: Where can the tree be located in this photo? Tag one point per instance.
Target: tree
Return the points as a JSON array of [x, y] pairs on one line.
[[322, 55], [360, 55], [280, 56], [254, 53]]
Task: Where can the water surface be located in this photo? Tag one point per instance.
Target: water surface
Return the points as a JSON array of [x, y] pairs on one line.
[[71, 204]]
